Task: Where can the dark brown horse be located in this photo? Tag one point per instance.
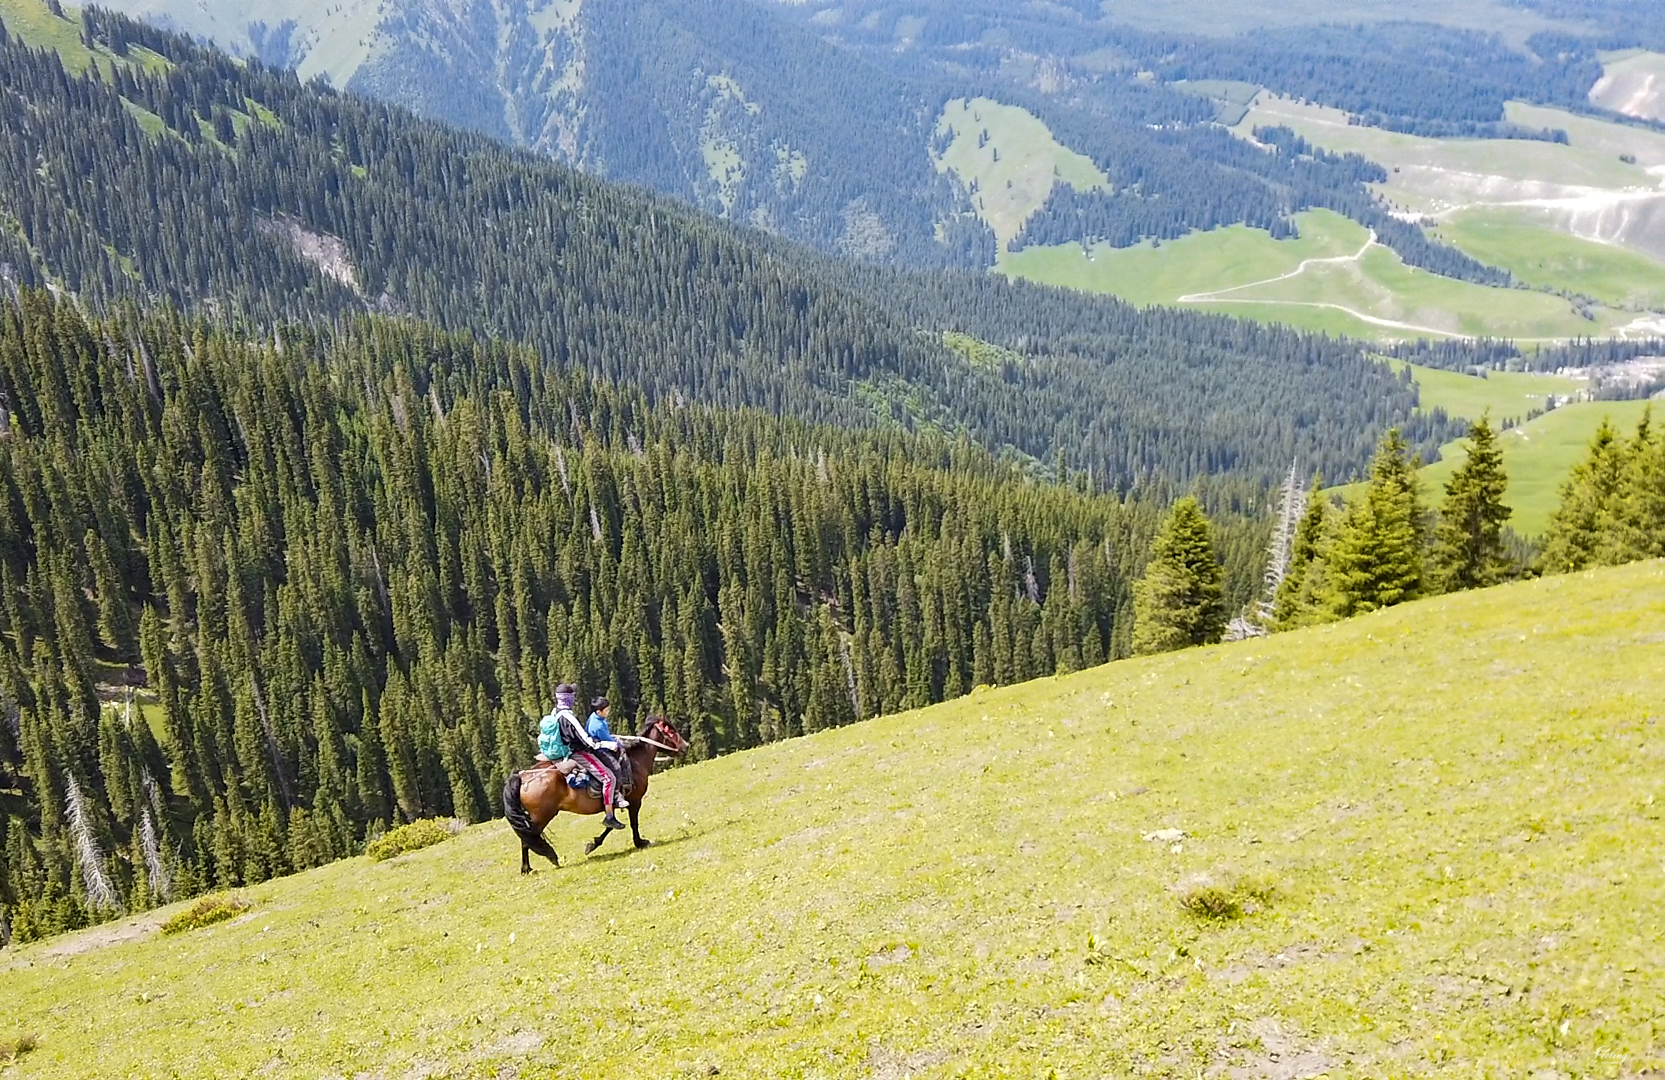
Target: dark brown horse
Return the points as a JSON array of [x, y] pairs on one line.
[[533, 797]]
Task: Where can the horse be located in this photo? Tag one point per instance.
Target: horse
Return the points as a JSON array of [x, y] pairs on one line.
[[532, 797]]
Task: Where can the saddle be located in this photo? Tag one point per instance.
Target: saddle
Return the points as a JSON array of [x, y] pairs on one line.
[[577, 777]]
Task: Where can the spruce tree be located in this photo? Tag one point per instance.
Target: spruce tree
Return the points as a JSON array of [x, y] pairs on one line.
[[1633, 526], [1180, 602], [1574, 537], [1468, 542], [1376, 559]]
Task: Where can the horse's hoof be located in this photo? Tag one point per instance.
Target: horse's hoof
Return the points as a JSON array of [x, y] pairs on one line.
[[589, 847], [644, 843]]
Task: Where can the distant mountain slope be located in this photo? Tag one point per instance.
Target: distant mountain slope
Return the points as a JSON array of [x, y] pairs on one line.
[[235, 189], [819, 121]]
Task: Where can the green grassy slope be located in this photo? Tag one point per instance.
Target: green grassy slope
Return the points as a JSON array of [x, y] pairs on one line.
[[1456, 805], [1632, 82], [1016, 165], [1538, 457], [1505, 394], [1222, 17], [32, 21], [1217, 259], [1244, 272], [1519, 242]]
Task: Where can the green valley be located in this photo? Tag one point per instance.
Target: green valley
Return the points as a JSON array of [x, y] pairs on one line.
[[1434, 833]]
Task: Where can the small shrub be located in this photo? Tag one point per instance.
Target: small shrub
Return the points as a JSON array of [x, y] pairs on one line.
[[206, 912], [416, 835], [1223, 899], [12, 1049]]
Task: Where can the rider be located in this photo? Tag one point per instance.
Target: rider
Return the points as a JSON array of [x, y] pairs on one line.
[[596, 755], [599, 731], [552, 742]]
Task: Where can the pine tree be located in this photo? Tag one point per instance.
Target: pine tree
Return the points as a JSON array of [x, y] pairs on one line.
[[1181, 600], [1633, 525], [1376, 558], [1468, 541], [1575, 534]]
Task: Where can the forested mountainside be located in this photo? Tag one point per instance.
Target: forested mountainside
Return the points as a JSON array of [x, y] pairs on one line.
[[234, 189], [343, 570], [820, 121]]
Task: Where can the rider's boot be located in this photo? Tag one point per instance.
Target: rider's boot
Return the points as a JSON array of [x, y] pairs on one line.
[[612, 822]]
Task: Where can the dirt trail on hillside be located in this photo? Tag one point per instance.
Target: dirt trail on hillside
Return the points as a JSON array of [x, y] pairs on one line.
[[1221, 296]]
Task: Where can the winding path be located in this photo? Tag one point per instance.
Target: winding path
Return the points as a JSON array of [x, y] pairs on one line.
[[1220, 296]]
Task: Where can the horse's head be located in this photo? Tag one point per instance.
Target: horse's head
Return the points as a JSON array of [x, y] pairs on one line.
[[659, 729]]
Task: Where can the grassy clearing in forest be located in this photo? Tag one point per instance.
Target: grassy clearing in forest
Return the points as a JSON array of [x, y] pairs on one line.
[[1011, 158], [1504, 394], [1426, 842], [1244, 272], [1410, 302], [1160, 274]]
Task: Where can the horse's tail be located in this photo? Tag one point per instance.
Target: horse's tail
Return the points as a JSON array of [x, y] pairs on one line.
[[515, 811], [521, 822]]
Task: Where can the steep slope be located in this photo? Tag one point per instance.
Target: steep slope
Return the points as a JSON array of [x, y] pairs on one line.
[[1448, 815], [234, 189]]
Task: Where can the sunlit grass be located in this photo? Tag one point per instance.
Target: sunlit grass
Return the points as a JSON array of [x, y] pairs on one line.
[[1454, 806]]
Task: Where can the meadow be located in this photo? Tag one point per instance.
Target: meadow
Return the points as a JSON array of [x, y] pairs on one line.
[[1523, 242], [1010, 159], [1421, 843], [1515, 24], [1538, 457], [1243, 271], [1505, 395], [1633, 83]]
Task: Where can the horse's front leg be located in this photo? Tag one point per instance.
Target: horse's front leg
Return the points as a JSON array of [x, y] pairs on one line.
[[597, 842], [635, 832]]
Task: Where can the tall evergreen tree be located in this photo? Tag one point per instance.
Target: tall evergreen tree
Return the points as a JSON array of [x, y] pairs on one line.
[[1376, 558], [1468, 541], [1574, 538], [1633, 525], [1180, 602]]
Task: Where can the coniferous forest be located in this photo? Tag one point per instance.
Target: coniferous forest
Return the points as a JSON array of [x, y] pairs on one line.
[[263, 598], [201, 184]]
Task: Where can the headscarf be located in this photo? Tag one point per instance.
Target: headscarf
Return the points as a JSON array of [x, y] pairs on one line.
[[566, 696]]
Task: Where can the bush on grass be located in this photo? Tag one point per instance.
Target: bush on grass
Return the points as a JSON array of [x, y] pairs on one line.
[[412, 837], [206, 912]]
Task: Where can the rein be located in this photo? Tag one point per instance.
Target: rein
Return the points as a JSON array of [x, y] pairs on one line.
[[644, 739]]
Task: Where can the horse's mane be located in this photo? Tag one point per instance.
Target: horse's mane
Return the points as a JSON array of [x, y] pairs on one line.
[[641, 732]]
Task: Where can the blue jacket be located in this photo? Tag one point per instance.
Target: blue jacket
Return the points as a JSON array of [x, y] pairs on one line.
[[598, 728]]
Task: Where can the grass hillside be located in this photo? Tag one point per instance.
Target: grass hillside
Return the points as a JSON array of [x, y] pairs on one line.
[[1431, 839], [1633, 83], [1538, 457], [1324, 279], [1504, 394], [1010, 161]]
